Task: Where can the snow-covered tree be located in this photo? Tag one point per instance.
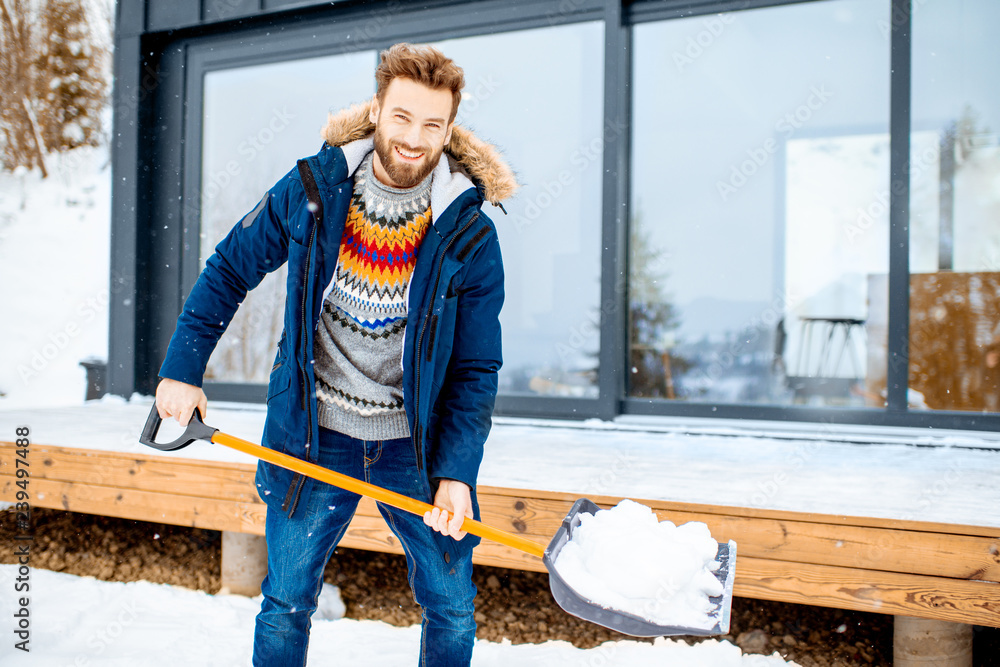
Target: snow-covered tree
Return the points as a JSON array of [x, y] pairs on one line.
[[70, 84], [53, 73], [18, 117], [652, 318]]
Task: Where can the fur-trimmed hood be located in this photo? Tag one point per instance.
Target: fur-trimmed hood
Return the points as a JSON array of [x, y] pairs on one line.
[[471, 161]]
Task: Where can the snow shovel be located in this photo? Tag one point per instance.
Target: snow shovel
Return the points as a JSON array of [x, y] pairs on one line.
[[567, 598]]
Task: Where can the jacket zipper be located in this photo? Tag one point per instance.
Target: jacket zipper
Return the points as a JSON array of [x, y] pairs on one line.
[[312, 197], [417, 444]]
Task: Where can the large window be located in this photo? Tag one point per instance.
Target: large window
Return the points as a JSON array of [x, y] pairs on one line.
[[550, 234], [785, 211], [759, 146], [256, 122], [955, 208], [551, 131]]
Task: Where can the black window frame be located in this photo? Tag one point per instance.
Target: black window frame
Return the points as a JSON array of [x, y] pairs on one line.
[[161, 58]]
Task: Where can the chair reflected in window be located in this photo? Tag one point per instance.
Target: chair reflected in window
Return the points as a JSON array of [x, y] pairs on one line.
[[828, 366]]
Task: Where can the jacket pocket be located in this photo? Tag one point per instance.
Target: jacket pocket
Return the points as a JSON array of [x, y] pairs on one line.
[[442, 339], [279, 380], [275, 435]]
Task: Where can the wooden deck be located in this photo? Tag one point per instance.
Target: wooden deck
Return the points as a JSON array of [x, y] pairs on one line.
[[911, 568]]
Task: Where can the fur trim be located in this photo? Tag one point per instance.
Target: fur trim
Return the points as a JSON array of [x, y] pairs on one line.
[[481, 160]]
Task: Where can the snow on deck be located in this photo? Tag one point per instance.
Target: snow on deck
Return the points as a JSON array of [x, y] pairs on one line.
[[950, 478]]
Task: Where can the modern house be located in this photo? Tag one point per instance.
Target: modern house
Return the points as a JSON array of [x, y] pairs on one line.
[[754, 263], [731, 210]]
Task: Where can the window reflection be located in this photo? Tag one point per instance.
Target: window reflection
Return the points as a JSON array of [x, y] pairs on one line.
[[955, 208], [542, 104], [249, 141], [757, 138]]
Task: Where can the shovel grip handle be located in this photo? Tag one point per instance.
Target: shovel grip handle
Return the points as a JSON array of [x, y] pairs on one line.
[[195, 430]]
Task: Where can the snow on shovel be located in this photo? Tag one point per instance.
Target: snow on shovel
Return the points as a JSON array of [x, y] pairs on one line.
[[569, 599]]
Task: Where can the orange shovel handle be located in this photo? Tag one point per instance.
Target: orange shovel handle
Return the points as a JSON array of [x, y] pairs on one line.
[[391, 498]]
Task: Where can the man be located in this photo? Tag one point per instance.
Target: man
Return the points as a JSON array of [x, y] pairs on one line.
[[387, 366]]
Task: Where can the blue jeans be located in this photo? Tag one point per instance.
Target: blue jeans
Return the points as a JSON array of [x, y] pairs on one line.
[[440, 568]]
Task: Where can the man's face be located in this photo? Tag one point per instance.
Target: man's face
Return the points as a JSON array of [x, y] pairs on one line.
[[411, 131]]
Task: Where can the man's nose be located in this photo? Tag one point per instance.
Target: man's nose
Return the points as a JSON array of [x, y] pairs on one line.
[[413, 136]]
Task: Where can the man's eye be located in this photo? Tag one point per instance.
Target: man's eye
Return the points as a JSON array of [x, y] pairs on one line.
[[433, 125], [401, 117]]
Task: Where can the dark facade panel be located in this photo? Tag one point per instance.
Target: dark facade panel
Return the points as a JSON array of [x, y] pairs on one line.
[[272, 5], [131, 18], [656, 10], [223, 10], [174, 14]]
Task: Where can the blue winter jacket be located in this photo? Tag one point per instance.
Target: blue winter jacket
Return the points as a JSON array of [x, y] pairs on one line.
[[451, 349]]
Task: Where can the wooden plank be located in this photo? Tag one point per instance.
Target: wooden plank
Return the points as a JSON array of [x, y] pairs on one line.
[[919, 552], [859, 547], [730, 510], [178, 476], [905, 551], [119, 460], [899, 551], [972, 602], [191, 511]]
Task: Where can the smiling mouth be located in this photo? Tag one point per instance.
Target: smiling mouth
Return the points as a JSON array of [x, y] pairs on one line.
[[407, 155]]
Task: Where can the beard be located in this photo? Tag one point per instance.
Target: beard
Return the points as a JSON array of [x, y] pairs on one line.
[[403, 174]]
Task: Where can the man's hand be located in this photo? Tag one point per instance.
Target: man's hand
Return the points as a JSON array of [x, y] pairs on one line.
[[179, 399], [456, 497]]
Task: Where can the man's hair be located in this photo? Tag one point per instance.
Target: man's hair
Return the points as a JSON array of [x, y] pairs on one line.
[[423, 64]]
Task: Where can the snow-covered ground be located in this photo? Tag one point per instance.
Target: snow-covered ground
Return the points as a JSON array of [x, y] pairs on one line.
[[81, 621], [54, 268]]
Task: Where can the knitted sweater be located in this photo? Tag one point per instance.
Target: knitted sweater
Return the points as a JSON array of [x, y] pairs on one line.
[[359, 341]]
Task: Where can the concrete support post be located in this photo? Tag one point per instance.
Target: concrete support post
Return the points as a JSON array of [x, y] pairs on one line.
[[244, 563], [920, 642]]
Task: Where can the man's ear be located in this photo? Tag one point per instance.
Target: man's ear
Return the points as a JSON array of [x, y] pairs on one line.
[[373, 110], [447, 136]]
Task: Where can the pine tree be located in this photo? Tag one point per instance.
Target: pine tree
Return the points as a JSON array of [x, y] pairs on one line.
[[70, 83], [652, 318], [22, 137], [53, 78]]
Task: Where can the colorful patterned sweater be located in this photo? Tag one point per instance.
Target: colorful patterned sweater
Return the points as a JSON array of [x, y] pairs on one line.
[[359, 341]]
